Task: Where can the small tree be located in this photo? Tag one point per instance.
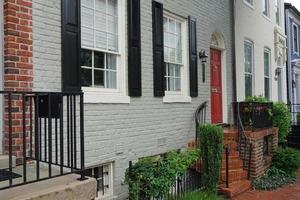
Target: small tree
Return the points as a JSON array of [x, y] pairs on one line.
[[282, 119]]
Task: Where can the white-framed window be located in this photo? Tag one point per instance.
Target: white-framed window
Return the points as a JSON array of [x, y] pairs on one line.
[[104, 177], [266, 7], [248, 58], [103, 51], [267, 65], [278, 11], [295, 38], [175, 58]]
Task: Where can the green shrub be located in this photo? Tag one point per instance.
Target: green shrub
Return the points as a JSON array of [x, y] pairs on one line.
[[272, 179], [258, 99], [287, 160], [282, 119], [201, 196], [211, 150], [152, 177]]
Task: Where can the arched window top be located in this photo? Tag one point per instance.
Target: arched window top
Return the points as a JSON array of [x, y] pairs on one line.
[[217, 41]]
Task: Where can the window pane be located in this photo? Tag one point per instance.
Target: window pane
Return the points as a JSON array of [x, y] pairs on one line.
[[248, 57], [178, 28], [87, 37], [99, 78], [172, 55], [101, 40], [172, 41], [171, 70], [87, 17], [112, 42], [166, 24], [267, 88], [111, 79], [177, 71], [171, 84], [100, 21], [248, 85], [267, 63], [177, 84], [111, 61], [112, 8], [86, 58], [167, 39], [166, 54], [88, 3], [112, 24], [100, 5], [86, 77], [99, 60], [171, 26]]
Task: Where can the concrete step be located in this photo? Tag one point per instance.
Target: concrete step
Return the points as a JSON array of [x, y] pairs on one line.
[[4, 161], [235, 188]]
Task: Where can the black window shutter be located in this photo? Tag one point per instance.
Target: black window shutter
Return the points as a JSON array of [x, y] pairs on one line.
[[193, 57], [158, 50], [134, 49], [71, 45]]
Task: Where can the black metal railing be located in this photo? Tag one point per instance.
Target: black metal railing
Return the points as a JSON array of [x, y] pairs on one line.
[[253, 115], [244, 143], [51, 128], [200, 116]]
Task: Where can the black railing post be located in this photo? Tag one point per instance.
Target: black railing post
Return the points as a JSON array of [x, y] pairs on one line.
[[227, 167], [24, 136], [61, 132], [249, 162], [37, 136], [10, 135], [49, 135], [82, 138]]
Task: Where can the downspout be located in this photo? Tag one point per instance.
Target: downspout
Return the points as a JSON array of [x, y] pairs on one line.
[[288, 63], [233, 52]]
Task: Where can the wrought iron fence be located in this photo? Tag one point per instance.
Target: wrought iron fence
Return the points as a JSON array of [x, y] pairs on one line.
[[45, 132], [253, 115], [189, 181]]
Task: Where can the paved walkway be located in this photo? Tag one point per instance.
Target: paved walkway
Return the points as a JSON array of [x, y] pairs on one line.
[[291, 192]]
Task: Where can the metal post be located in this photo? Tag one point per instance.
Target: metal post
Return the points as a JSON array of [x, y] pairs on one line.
[[61, 132], [249, 163], [227, 167], [49, 136], [24, 137], [10, 136], [82, 138], [37, 137]]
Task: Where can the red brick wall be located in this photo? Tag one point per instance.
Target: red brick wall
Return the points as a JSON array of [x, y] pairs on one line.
[[18, 67]]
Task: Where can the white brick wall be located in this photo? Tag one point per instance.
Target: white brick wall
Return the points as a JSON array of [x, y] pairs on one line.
[[121, 133]]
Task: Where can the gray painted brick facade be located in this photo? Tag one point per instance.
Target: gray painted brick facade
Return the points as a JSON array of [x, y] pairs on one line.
[[146, 126]]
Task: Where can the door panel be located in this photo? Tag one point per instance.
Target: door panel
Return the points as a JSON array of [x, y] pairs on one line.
[[216, 86]]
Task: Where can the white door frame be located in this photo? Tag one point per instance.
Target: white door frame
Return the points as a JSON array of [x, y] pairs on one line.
[[1, 72]]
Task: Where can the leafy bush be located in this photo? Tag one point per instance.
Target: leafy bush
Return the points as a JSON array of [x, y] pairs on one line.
[[287, 160], [258, 99], [273, 179], [153, 176], [282, 119], [201, 196], [211, 150]]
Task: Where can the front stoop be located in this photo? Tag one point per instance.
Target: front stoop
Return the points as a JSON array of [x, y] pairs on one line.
[[238, 182], [61, 188]]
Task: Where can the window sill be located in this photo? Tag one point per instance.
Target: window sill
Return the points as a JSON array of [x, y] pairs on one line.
[[105, 98], [177, 99], [267, 17]]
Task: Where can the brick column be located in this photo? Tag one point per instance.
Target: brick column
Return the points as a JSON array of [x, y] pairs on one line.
[[18, 68]]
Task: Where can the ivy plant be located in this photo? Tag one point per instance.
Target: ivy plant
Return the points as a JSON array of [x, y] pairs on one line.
[[282, 119], [152, 177], [211, 150]]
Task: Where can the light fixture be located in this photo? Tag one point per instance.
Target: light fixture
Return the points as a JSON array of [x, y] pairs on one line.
[[203, 57]]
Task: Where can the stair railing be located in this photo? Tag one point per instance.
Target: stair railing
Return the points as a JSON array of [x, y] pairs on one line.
[[200, 116], [244, 145]]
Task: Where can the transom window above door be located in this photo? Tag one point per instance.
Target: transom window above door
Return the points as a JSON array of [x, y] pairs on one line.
[[173, 53]]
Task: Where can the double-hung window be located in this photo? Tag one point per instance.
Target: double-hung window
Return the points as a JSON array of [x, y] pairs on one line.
[[277, 11], [102, 65], [267, 59], [266, 10], [295, 39], [175, 55], [248, 53]]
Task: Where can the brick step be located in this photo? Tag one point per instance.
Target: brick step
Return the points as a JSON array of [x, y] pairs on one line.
[[235, 188], [230, 144], [233, 164], [233, 154], [234, 175]]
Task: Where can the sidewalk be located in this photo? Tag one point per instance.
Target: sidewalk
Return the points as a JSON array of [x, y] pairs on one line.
[[291, 192]]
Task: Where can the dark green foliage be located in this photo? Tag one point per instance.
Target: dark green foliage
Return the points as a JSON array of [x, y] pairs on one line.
[[273, 179], [211, 150], [287, 160], [201, 196], [153, 176], [282, 119]]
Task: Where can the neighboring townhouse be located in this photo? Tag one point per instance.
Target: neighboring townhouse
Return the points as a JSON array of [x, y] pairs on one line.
[[292, 20], [260, 49], [137, 63]]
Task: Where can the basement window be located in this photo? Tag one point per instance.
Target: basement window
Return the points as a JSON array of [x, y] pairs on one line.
[[104, 176]]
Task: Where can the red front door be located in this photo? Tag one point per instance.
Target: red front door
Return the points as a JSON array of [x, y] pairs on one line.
[[216, 86]]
